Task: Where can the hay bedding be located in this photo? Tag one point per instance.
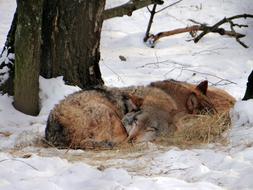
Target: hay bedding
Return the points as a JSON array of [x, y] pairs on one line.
[[197, 130], [200, 129]]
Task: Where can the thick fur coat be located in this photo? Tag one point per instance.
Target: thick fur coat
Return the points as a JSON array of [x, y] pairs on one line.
[[89, 119], [105, 117]]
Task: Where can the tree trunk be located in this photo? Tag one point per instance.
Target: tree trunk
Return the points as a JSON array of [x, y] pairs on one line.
[[249, 90], [71, 38], [27, 60], [7, 85]]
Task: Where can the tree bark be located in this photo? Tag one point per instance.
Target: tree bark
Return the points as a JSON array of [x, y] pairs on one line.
[[249, 89], [7, 86], [128, 8], [10, 40], [27, 60], [71, 39]]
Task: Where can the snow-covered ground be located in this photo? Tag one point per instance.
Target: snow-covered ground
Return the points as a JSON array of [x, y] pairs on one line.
[[25, 164]]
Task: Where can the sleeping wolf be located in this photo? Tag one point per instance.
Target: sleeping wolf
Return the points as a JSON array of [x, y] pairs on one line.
[[89, 119], [155, 119], [164, 103], [215, 99], [105, 117]]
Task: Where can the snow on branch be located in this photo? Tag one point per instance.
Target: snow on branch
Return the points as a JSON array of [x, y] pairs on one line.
[[128, 8]]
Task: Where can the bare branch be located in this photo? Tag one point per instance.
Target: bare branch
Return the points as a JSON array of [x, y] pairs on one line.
[[232, 25], [205, 30], [169, 6], [13, 159], [152, 14], [215, 26], [128, 8], [192, 29], [149, 10], [187, 68]]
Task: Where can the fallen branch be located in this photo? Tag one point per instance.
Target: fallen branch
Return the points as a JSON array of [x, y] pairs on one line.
[[128, 8], [223, 21], [205, 30]]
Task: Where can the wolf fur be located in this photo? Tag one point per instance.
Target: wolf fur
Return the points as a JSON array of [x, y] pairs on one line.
[[154, 119], [165, 103], [89, 119], [220, 100], [105, 117]]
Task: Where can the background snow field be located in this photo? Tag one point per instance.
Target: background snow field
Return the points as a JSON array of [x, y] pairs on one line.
[[25, 164]]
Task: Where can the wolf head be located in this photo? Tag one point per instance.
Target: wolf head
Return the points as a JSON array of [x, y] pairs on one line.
[[190, 98], [198, 102], [154, 120], [140, 126]]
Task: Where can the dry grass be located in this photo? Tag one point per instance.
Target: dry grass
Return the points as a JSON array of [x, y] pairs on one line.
[[5, 133], [201, 129], [198, 130]]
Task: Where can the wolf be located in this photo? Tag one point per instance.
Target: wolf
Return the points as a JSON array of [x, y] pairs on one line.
[[89, 119], [166, 102], [213, 98], [154, 118], [106, 117]]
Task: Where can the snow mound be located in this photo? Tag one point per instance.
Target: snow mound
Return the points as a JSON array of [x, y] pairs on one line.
[[242, 113]]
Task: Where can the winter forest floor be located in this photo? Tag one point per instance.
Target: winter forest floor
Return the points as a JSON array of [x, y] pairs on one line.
[[26, 164]]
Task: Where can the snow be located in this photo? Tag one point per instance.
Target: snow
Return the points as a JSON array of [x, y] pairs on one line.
[[25, 164]]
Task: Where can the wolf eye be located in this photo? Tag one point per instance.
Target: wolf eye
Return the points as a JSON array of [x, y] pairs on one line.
[[151, 129]]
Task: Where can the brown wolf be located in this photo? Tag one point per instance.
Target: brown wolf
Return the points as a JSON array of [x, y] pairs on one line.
[[155, 117], [89, 119], [105, 117], [211, 98], [221, 100], [166, 102], [189, 98]]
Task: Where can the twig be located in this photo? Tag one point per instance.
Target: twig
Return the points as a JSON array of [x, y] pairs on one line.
[[225, 20], [169, 6], [176, 169], [209, 51], [13, 159], [237, 38], [165, 62], [208, 74], [184, 67], [119, 77]]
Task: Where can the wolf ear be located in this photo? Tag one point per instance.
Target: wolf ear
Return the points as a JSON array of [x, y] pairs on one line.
[[202, 87], [136, 100], [192, 102]]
